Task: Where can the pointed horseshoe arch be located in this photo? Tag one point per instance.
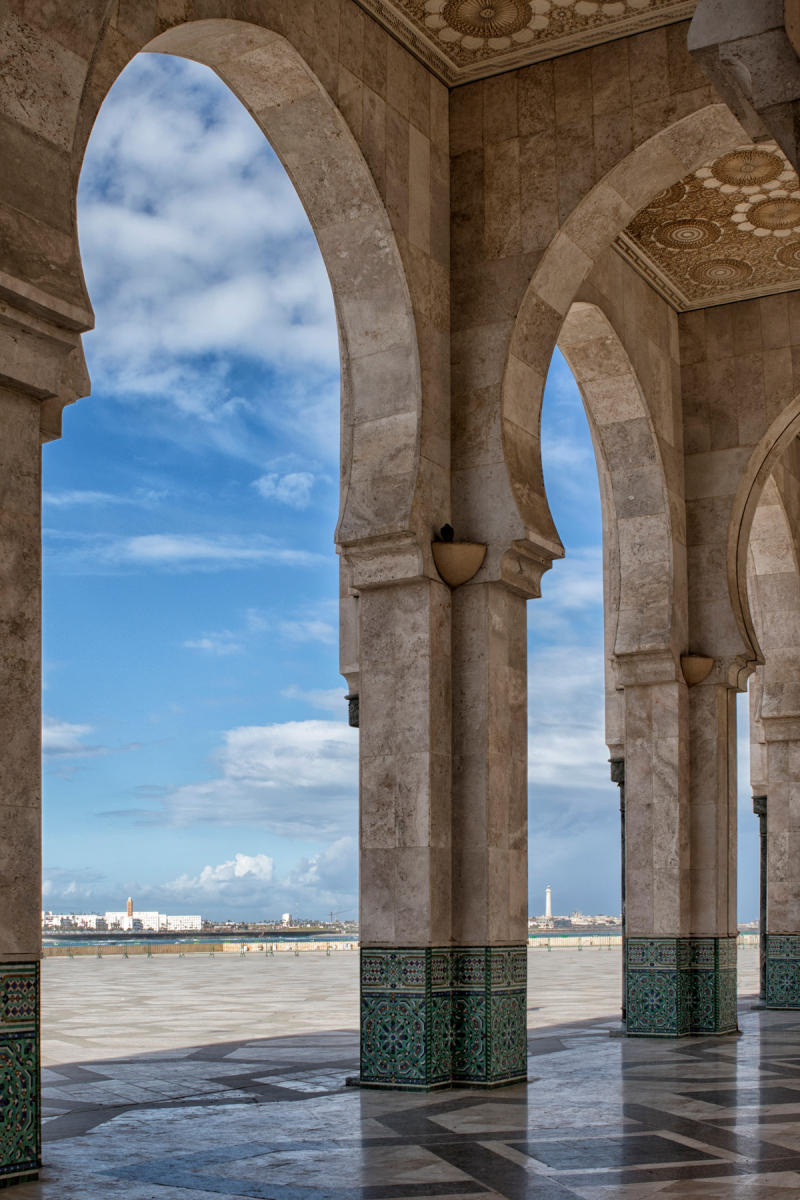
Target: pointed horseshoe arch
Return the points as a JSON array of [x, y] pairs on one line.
[[380, 367], [603, 213]]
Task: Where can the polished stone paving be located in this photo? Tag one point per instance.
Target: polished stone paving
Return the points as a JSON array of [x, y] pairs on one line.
[[221, 1113]]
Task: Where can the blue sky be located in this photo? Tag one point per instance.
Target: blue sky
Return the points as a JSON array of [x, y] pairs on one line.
[[197, 754]]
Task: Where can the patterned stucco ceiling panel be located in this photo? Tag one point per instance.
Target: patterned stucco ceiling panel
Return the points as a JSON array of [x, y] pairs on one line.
[[462, 40], [728, 232]]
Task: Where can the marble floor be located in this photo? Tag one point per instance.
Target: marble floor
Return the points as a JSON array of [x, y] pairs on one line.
[[221, 1113]]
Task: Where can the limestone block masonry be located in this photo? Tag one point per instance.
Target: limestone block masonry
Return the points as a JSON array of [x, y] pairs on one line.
[[680, 986], [435, 1017], [783, 970], [20, 1140]]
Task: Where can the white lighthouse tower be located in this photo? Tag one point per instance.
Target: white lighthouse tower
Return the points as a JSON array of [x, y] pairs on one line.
[[548, 905]]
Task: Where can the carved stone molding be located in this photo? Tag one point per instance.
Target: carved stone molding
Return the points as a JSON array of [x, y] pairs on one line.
[[462, 40]]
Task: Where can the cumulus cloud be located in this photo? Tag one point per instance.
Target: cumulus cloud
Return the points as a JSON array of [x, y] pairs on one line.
[[293, 489], [252, 885], [198, 252], [293, 779], [258, 868]]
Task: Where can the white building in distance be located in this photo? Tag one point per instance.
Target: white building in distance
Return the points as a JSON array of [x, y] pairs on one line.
[[155, 921]]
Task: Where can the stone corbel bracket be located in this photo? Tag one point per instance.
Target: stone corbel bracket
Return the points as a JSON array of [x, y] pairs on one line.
[[40, 349]]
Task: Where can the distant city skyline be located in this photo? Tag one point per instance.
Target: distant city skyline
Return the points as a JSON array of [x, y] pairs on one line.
[[196, 746]]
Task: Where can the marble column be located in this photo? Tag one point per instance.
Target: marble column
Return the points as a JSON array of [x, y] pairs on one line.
[[618, 777], [405, 805], [680, 945], [760, 810], [490, 835], [443, 833], [41, 370], [20, 783], [782, 966]]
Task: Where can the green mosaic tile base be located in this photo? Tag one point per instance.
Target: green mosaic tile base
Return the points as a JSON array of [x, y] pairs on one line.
[[20, 1138], [432, 1018], [680, 986], [783, 970]]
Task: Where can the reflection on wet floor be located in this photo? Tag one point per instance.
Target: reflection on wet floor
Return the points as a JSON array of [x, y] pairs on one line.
[[228, 1114]]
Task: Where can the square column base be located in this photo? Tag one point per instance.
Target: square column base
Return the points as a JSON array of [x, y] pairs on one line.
[[20, 1094], [443, 1017], [783, 970], [680, 986]]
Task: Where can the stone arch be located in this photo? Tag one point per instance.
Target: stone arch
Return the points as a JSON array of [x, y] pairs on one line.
[[638, 566], [587, 233], [773, 587], [380, 366], [754, 479]]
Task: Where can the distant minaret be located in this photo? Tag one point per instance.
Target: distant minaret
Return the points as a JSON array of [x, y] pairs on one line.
[[130, 905], [548, 907]]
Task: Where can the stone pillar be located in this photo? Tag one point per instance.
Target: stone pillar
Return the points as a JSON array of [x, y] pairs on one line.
[[760, 810], [490, 835], [20, 784], [41, 370], [680, 953], [618, 777], [405, 728], [782, 966], [443, 831]]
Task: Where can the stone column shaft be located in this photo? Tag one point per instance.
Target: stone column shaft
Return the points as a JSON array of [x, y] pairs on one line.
[[20, 784], [680, 976], [782, 966], [443, 862]]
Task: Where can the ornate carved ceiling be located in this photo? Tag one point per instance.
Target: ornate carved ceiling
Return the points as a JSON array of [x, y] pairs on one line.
[[729, 231], [468, 39]]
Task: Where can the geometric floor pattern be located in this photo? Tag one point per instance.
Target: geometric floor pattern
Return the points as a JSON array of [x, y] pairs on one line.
[[602, 1117]]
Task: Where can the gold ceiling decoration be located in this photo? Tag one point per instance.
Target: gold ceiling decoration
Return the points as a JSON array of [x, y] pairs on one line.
[[468, 39], [729, 231]]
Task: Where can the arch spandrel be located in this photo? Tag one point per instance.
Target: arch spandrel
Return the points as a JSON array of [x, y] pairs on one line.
[[584, 237]]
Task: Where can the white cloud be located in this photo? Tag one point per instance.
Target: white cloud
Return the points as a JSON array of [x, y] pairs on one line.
[[63, 738], [258, 868], [325, 699], [324, 880], [196, 249], [308, 630], [172, 551], [75, 496], [221, 643], [294, 779], [293, 489]]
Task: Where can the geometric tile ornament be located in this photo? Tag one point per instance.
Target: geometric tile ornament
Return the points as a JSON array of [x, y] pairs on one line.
[[728, 232], [460, 40], [435, 1017], [783, 970], [680, 986], [20, 1138]]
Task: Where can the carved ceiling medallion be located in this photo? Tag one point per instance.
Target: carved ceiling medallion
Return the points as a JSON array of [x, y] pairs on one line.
[[469, 39], [476, 19], [730, 230]]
